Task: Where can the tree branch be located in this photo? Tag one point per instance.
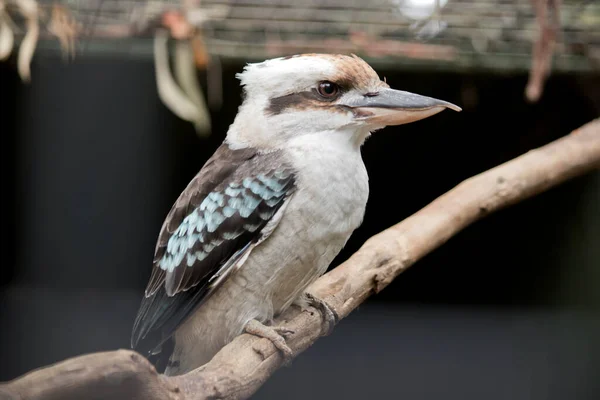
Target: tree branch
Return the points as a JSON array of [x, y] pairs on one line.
[[241, 367]]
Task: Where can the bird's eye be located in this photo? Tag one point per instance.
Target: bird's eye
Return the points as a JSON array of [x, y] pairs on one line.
[[328, 89]]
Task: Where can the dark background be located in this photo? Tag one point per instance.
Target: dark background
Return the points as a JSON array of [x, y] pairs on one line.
[[508, 309]]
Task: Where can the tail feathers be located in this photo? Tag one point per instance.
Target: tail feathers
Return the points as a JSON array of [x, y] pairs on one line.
[[160, 356], [160, 315], [173, 368]]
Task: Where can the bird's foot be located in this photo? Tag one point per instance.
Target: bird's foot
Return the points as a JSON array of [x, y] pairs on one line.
[[275, 334], [330, 317]]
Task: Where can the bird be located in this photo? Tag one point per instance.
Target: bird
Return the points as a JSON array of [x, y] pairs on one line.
[[270, 209]]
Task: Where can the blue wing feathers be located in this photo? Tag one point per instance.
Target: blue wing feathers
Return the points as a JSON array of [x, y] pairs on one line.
[[219, 215]]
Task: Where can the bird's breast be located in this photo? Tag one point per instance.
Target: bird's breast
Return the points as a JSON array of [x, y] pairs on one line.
[[328, 205]]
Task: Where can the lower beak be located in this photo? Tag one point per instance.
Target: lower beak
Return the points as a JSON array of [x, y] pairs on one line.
[[395, 107]]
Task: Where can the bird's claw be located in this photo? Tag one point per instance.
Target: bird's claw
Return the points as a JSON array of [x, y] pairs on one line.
[[330, 317], [283, 331], [275, 334]]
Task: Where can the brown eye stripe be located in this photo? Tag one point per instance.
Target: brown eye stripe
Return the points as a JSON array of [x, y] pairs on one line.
[[279, 104], [300, 101]]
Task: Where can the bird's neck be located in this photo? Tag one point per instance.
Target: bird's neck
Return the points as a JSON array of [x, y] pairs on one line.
[[249, 128]]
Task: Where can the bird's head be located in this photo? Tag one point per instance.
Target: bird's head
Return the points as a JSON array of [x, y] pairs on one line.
[[317, 94]]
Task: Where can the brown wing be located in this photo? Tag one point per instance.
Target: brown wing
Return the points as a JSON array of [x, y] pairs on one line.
[[219, 216], [217, 169]]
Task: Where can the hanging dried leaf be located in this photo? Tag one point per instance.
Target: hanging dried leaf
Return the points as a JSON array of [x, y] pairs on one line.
[[30, 11], [168, 91], [65, 28], [185, 73], [548, 20], [7, 38]]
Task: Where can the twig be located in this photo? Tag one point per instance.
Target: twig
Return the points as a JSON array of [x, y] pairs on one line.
[[241, 367]]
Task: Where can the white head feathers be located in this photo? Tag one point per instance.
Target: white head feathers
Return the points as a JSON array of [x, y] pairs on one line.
[[284, 75]]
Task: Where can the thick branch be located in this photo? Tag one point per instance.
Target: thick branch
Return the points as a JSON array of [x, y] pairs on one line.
[[241, 367]]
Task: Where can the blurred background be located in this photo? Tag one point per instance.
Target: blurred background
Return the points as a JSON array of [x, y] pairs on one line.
[[94, 155]]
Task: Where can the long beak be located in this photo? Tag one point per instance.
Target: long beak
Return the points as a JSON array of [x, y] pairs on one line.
[[395, 107]]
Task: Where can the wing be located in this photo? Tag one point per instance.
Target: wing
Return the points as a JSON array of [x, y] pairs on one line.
[[227, 209]]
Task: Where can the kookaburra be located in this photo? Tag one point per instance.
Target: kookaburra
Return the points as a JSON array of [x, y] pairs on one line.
[[272, 207]]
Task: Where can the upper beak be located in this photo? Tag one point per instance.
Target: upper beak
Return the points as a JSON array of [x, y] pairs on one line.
[[395, 107]]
